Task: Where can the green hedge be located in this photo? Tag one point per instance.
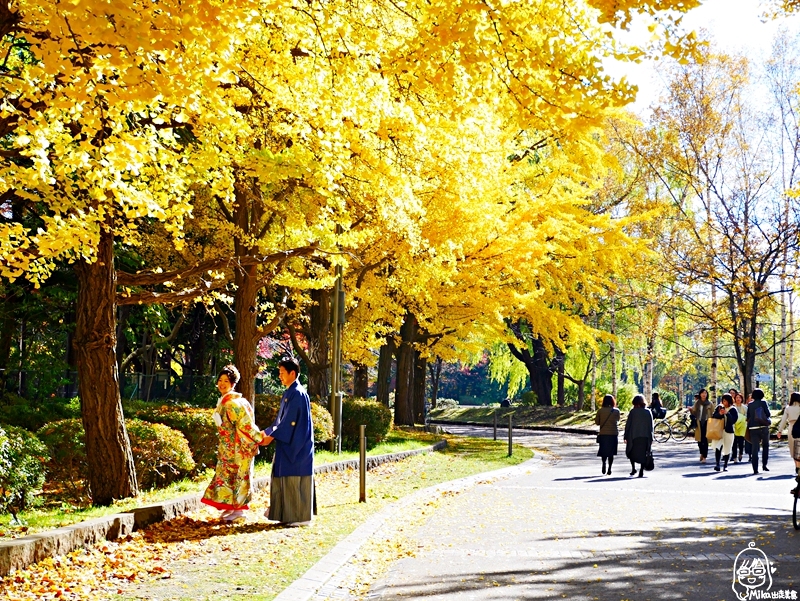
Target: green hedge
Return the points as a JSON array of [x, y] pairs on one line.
[[66, 468], [22, 468], [160, 454], [196, 425], [357, 412], [266, 408], [32, 415]]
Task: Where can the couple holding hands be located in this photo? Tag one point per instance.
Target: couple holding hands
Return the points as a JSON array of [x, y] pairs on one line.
[[292, 483]]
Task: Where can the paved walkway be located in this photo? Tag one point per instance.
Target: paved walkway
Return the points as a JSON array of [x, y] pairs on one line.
[[563, 530]]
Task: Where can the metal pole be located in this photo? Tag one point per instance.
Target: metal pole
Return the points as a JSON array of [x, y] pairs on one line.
[[509, 434], [495, 424], [362, 465], [774, 373]]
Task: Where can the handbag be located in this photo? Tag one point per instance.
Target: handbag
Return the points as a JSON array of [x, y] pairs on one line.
[[649, 463], [747, 434], [761, 416], [715, 428]]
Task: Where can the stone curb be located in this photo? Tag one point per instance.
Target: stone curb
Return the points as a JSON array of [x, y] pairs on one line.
[[310, 583], [21, 552], [502, 427]]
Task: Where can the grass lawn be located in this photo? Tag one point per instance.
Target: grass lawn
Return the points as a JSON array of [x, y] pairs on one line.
[[196, 557], [65, 514]]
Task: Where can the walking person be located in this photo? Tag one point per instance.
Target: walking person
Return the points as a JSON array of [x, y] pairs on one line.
[[790, 415], [702, 411], [239, 437], [723, 446], [739, 428], [607, 418], [638, 434], [758, 422], [292, 498]]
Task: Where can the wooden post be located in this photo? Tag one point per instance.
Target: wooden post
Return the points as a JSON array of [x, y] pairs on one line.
[[362, 466], [510, 416], [495, 424]]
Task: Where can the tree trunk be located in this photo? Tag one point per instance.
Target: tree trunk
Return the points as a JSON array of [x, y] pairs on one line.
[[435, 373], [613, 349], [592, 400], [244, 340], [539, 369], [560, 380], [111, 471], [360, 381], [420, 367], [8, 327], [790, 381], [319, 325], [384, 380], [581, 394], [648, 368], [403, 395]]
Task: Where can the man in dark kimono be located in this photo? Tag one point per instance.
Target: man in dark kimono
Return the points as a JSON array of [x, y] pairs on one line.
[[292, 484]]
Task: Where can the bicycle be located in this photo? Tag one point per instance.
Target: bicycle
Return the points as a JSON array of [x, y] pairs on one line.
[[679, 430]]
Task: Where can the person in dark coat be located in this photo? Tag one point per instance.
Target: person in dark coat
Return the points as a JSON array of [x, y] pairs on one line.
[[607, 418], [638, 434], [292, 483], [656, 408], [758, 422]]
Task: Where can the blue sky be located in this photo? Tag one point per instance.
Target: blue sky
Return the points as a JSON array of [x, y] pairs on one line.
[[736, 26]]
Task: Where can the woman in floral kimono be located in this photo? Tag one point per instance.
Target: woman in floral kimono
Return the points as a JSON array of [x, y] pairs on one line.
[[239, 438]]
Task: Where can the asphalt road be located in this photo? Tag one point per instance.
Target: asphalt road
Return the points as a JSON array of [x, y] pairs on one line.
[[564, 530]]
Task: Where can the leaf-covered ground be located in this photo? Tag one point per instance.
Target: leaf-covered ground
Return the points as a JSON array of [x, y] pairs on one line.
[[197, 557]]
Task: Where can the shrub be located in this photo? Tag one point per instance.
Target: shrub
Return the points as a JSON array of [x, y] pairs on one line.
[[444, 403], [373, 414], [196, 425], [160, 454], [668, 398], [22, 468], [528, 399], [323, 423], [66, 469], [266, 408], [625, 394], [32, 415]]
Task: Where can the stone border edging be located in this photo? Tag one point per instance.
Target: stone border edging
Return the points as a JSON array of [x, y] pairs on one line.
[[532, 428], [21, 552], [305, 587]]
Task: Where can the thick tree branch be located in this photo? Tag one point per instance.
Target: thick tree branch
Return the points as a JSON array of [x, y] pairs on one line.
[[150, 278], [156, 341], [226, 325]]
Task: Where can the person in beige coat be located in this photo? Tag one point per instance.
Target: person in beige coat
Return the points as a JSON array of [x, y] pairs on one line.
[[607, 418], [790, 416]]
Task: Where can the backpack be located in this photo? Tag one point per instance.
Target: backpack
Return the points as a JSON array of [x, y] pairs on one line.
[[796, 430], [760, 415]]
